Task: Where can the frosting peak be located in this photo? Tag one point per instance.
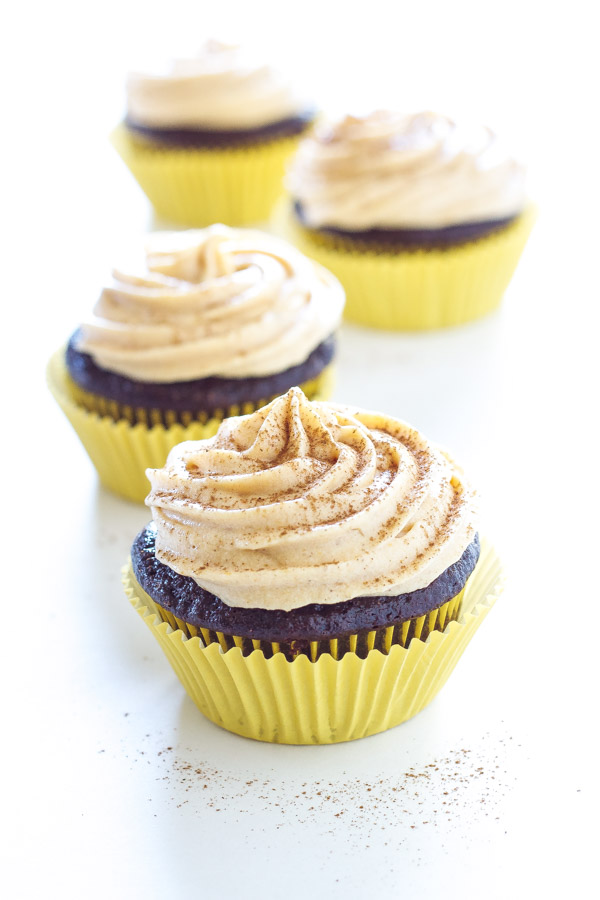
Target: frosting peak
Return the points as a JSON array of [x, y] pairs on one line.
[[306, 502], [223, 88], [195, 262], [389, 170], [218, 302], [290, 429]]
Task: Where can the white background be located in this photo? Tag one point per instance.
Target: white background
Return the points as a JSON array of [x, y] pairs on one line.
[[95, 804]]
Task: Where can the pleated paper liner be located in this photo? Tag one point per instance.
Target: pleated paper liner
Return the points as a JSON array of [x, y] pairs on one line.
[[327, 700], [415, 290], [361, 643], [198, 187], [123, 442]]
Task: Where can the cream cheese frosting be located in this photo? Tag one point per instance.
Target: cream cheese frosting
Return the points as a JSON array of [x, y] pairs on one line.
[[223, 88], [394, 171], [224, 302], [304, 502]]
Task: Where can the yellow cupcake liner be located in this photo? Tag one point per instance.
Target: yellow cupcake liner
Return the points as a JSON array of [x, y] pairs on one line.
[[328, 700], [382, 639], [198, 187], [416, 290], [123, 442]]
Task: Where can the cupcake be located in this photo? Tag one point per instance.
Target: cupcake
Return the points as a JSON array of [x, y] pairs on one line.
[[208, 138], [198, 326], [423, 220], [312, 571]]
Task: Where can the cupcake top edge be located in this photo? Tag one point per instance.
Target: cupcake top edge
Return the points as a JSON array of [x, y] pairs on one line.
[[213, 302], [224, 87], [413, 171], [302, 503]]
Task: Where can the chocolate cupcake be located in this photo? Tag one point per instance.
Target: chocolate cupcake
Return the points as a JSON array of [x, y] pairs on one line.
[[310, 534], [207, 138], [422, 219], [202, 325]]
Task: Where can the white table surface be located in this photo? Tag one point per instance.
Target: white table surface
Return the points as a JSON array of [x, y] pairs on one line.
[[115, 785]]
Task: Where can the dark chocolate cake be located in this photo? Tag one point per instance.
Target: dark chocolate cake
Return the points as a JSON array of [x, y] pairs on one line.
[[412, 238], [186, 600], [205, 395], [211, 139]]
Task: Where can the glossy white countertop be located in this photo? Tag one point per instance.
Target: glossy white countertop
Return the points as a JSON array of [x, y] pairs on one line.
[[116, 786]]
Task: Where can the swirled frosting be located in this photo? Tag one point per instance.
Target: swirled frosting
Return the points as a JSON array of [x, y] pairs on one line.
[[218, 302], [222, 88], [395, 171], [305, 502]]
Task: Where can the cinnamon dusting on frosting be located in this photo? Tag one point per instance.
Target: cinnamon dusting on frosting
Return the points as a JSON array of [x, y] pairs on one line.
[[305, 502]]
